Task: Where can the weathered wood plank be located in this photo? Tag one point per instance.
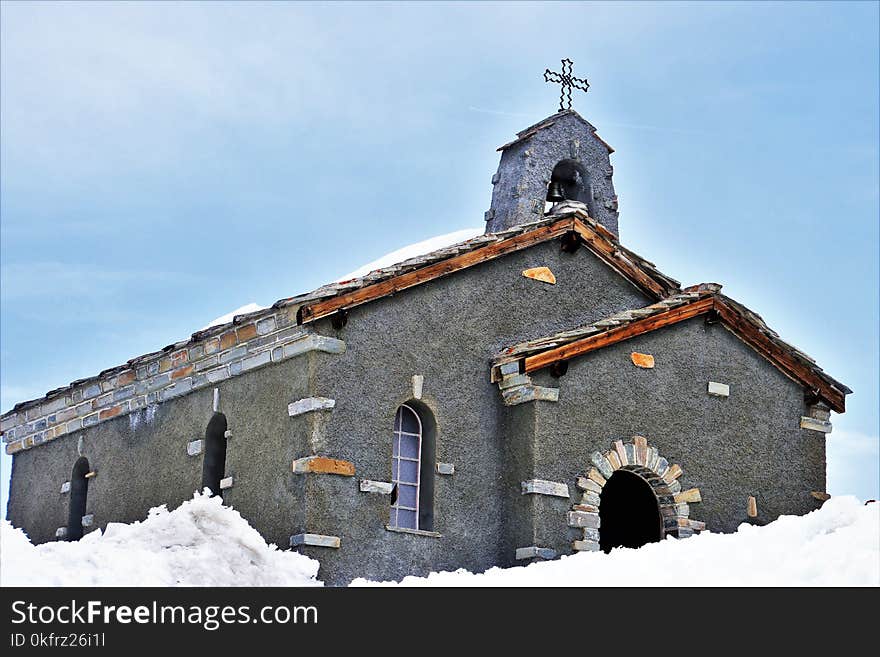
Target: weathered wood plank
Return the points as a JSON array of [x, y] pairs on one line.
[[311, 312], [591, 343], [796, 371]]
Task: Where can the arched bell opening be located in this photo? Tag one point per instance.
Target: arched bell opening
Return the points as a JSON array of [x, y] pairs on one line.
[[629, 512], [570, 181]]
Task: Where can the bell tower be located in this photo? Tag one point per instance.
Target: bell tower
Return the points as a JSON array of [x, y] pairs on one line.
[[558, 159]]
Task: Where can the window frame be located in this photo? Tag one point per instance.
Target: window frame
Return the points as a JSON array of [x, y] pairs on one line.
[[398, 433]]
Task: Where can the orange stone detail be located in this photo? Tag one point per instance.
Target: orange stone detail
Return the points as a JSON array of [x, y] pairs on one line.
[[645, 361], [324, 465], [542, 274], [673, 473], [125, 377], [247, 332], [227, 340], [107, 413], [183, 371]]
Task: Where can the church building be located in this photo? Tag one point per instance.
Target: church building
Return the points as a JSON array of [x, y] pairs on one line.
[[533, 392]]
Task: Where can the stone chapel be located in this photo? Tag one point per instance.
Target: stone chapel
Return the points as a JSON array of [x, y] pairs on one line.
[[533, 392]]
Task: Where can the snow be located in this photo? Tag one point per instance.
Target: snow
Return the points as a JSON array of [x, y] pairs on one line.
[[837, 545], [200, 543], [225, 319], [203, 543], [405, 253], [413, 250]]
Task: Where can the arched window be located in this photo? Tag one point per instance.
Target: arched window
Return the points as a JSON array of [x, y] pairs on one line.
[[79, 491], [214, 463], [412, 468]]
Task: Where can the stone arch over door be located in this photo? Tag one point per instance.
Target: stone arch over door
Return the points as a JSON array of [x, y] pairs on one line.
[[637, 458]]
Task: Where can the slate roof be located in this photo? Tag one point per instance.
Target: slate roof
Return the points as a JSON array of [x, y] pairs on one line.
[[601, 235], [546, 123], [742, 321]]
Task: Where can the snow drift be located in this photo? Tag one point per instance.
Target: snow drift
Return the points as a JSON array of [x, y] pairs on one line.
[[203, 543], [837, 545], [200, 543]]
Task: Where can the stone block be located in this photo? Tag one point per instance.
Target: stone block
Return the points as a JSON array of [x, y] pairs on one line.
[[88, 520], [588, 485], [544, 487], [602, 464], [585, 546], [752, 507], [215, 376], [583, 519], [233, 354], [621, 452], [418, 382], [613, 459], [323, 465], [822, 426], [266, 325], [317, 540], [65, 487], [591, 534], [591, 498], [181, 372], [381, 487], [256, 360], [596, 476], [226, 483], [194, 447], [246, 332], [645, 361], [534, 551], [673, 473], [446, 468], [817, 494], [61, 532], [719, 389], [528, 393], [509, 368], [691, 495], [310, 404]]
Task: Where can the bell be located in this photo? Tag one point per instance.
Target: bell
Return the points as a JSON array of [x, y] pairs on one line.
[[555, 194]]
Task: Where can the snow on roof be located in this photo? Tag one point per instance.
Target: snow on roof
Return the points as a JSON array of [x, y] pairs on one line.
[[413, 251], [228, 317]]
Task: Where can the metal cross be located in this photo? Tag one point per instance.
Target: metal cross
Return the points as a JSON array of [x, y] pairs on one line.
[[567, 82]]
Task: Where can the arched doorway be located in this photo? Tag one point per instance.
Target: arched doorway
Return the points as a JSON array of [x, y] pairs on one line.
[[79, 491], [214, 464], [629, 513], [644, 501]]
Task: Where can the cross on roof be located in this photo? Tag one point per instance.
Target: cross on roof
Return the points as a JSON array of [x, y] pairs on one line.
[[567, 81]]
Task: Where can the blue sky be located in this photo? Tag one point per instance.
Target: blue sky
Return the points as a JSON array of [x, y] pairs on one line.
[[165, 163]]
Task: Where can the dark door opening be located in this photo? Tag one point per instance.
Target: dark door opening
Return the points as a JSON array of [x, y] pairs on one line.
[[629, 514], [214, 464], [79, 491]]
